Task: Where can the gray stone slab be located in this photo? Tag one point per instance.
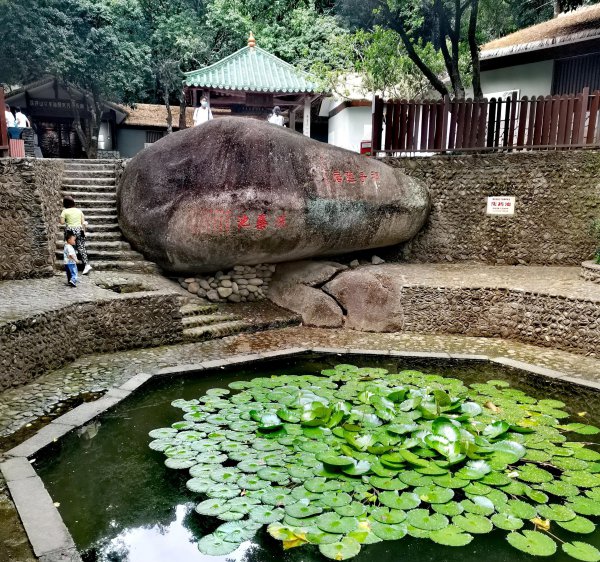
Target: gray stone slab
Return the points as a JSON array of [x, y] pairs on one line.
[[45, 528], [237, 359], [17, 468], [528, 367], [48, 434], [469, 357], [284, 352], [214, 364], [369, 351], [135, 382], [179, 370], [582, 382], [423, 354], [88, 411], [118, 393], [63, 555], [338, 350]]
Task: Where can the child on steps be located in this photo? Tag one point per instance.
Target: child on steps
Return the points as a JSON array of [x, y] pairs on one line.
[[70, 259]]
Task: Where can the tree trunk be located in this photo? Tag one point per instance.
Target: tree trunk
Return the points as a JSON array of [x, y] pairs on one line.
[[557, 8], [169, 115], [413, 55], [88, 136], [474, 48], [182, 110]]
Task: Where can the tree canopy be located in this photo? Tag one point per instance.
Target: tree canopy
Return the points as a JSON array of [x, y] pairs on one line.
[[137, 50]]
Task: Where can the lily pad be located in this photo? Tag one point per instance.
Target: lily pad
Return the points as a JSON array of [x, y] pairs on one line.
[[532, 542], [212, 545], [507, 521], [582, 551], [578, 524], [343, 550], [423, 519], [333, 523], [389, 532], [451, 536], [472, 523]]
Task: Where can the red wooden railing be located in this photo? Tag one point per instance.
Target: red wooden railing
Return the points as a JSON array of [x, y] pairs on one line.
[[3, 131], [537, 123]]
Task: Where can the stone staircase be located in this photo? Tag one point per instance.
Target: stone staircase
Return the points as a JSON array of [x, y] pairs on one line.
[[204, 322], [92, 183]]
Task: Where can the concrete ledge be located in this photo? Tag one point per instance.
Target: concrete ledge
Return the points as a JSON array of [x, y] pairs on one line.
[[88, 411], [136, 382], [18, 468], [42, 521], [423, 354], [48, 434], [63, 555]]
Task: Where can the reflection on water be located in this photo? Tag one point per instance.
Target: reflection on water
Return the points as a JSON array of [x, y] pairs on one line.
[[121, 504]]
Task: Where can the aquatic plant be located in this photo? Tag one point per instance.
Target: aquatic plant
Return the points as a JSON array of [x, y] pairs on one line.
[[358, 455]]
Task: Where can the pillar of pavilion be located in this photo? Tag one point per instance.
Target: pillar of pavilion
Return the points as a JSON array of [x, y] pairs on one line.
[[252, 81]]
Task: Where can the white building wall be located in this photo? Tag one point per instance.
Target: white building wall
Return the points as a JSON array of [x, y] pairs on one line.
[[533, 79], [349, 127]]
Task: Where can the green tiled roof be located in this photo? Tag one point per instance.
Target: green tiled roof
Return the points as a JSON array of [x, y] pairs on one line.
[[251, 69]]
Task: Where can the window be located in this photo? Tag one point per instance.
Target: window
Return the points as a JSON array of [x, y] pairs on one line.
[[573, 74], [153, 136]]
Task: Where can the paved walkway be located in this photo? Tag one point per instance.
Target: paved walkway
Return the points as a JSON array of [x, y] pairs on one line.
[[21, 299], [560, 281]]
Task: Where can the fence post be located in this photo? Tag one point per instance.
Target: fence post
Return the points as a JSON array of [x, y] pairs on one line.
[[593, 117], [3, 130], [584, 107], [377, 124]]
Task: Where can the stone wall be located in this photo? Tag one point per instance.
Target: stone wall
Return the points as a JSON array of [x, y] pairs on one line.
[[31, 346], [557, 197], [30, 204]]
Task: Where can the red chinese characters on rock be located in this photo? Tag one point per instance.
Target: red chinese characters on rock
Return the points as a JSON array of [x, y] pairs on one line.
[[227, 221], [349, 178]]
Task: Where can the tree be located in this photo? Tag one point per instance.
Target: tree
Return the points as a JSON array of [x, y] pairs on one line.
[[91, 47], [453, 25]]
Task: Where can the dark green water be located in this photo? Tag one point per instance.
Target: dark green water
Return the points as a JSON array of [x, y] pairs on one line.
[[121, 503]]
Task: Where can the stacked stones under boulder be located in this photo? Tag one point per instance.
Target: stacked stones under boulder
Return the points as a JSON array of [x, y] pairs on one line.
[[238, 191], [243, 283]]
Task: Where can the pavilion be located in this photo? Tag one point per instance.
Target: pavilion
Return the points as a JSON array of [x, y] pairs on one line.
[[251, 82]]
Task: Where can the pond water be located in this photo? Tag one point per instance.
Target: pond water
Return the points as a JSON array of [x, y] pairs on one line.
[[121, 503]]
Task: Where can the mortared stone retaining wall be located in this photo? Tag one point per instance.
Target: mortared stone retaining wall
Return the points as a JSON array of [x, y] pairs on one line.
[[557, 198]]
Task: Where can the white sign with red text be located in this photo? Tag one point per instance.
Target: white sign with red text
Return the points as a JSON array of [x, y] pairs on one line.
[[501, 205]]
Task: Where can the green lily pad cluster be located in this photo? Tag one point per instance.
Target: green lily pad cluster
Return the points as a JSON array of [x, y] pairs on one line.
[[359, 455]]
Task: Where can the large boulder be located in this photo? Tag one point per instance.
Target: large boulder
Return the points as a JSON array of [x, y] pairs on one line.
[[371, 297], [241, 191], [292, 287]]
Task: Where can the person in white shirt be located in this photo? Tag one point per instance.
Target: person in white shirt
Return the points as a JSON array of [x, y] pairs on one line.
[[10, 118], [21, 120], [276, 118], [203, 113]]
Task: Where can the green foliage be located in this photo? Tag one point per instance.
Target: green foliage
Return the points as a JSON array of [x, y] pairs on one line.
[[357, 456]]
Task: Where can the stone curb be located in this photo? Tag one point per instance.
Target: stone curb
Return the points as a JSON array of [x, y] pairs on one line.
[[49, 536]]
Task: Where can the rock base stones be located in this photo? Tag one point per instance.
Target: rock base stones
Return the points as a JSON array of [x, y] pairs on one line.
[[294, 287], [243, 283], [590, 271]]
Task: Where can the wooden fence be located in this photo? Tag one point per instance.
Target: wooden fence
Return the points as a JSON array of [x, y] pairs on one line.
[[3, 131], [537, 123]]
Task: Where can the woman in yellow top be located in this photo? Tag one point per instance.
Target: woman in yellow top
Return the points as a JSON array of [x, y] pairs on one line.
[[74, 222]]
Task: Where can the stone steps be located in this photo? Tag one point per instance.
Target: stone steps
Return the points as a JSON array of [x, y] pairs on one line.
[[70, 187], [96, 245], [203, 322], [190, 322], [92, 183], [214, 331], [95, 253], [70, 180], [191, 309]]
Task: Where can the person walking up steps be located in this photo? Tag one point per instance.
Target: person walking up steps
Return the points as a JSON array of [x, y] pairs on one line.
[[74, 222], [70, 259]]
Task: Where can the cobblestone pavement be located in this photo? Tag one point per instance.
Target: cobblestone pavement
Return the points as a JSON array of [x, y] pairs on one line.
[[561, 281], [19, 299], [96, 373]]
